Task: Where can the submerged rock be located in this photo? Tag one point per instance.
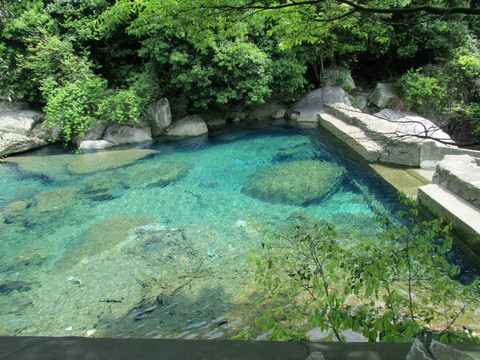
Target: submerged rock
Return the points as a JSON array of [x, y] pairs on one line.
[[52, 166], [92, 163], [296, 183], [15, 210], [110, 232], [168, 174], [52, 203]]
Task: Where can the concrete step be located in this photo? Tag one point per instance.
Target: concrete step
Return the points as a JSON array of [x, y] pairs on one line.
[[465, 218], [406, 180], [353, 136]]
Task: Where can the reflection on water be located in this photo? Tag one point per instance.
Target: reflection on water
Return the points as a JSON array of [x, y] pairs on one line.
[[155, 242]]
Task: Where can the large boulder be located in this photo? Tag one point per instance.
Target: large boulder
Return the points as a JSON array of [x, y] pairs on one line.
[[308, 108], [161, 116], [269, 110], [339, 77], [297, 183], [383, 94], [122, 135], [95, 133], [192, 125], [22, 130], [101, 161]]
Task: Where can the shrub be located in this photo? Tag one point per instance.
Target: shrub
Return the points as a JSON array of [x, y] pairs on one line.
[[396, 287]]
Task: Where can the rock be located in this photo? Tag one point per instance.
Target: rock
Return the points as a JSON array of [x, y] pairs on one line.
[[383, 94], [168, 174], [52, 166], [161, 116], [15, 210], [279, 114], [86, 145], [22, 130], [157, 177], [269, 110], [192, 125], [52, 203], [444, 352], [122, 135], [297, 183], [216, 123], [461, 175], [101, 161], [418, 351], [308, 108], [96, 132], [110, 232], [235, 116], [339, 77]]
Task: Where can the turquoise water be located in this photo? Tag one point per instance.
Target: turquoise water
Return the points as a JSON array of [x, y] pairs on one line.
[[155, 241]]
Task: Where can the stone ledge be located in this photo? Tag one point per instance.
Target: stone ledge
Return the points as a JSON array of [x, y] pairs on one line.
[[353, 136], [404, 140], [451, 207], [461, 175]]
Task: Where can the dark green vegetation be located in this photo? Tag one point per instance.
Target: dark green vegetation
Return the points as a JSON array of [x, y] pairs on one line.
[[395, 288], [105, 61]]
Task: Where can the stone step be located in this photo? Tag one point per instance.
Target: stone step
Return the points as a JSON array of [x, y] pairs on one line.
[[352, 136], [465, 218], [406, 180]]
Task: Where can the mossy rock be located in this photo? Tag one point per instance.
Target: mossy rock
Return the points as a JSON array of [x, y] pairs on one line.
[[101, 161], [297, 183]]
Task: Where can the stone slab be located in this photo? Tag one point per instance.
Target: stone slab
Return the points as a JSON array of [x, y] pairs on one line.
[[352, 136], [465, 218], [405, 180]]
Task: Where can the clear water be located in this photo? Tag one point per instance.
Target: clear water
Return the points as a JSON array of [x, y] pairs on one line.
[[123, 254]]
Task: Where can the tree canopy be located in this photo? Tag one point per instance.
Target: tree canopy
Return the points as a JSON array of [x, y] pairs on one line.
[[211, 53]]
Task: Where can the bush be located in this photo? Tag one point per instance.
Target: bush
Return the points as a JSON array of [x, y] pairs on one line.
[[394, 288], [73, 106]]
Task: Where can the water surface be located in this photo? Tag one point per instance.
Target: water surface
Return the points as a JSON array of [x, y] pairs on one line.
[[155, 241]]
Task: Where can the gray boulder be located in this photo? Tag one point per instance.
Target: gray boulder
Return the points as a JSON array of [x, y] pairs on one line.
[[22, 130], [269, 110], [94, 144], [192, 125], [339, 77], [121, 135], [308, 108], [96, 132], [161, 116], [383, 94]]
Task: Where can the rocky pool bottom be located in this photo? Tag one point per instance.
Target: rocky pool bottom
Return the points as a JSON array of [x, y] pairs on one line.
[[154, 242]]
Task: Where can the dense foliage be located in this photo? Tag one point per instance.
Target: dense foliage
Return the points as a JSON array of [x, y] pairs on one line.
[[118, 56], [395, 288]]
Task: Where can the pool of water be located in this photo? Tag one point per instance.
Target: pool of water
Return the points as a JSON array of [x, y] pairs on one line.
[[154, 241]]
